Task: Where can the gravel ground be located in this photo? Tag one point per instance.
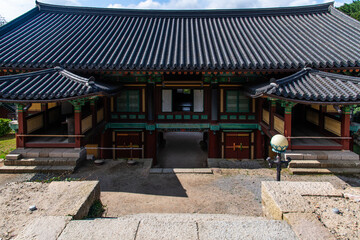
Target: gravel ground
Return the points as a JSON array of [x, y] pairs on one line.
[[344, 225]]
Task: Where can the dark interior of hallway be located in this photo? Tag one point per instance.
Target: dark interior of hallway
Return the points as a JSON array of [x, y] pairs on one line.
[[182, 150]]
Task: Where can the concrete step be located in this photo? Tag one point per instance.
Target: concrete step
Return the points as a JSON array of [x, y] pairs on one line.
[[324, 170], [42, 162], [324, 164], [37, 169]]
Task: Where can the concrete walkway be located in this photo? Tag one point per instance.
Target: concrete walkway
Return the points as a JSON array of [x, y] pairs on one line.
[[165, 226]]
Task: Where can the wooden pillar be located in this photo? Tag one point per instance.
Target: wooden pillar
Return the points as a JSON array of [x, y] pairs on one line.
[[150, 145], [22, 126], [107, 109], [287, 122], [93, 112], [150, 101], [44, 109], [345, 127], [272, 113], [77, 121], [259, 145], [214, 102], [214, 144]]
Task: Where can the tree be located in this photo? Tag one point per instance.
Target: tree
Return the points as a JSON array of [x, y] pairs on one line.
[[352, 9]]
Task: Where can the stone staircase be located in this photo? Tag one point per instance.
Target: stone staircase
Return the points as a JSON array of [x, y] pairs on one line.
[[43, 160], [323, 162]]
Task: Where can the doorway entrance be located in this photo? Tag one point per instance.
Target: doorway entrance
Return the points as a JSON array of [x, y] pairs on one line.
[[182, 149]]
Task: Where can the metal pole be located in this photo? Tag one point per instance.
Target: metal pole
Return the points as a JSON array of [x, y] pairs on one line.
[[278, 167]]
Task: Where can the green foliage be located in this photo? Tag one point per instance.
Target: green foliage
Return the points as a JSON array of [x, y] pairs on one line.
[[352, 9], [96, 210], [55, 179], [4, 126]]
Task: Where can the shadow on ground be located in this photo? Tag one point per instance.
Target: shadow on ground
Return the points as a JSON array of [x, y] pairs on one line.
[[117, 176]]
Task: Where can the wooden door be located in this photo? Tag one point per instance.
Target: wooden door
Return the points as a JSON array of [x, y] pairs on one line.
[[126, 141], [237, 145]]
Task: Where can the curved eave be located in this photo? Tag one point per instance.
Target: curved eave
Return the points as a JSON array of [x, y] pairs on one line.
[[58, 99], [309, 102]]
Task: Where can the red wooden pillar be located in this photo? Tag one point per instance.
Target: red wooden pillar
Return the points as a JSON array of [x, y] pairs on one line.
[[93, 112], [44, 109], [150, 145], [214, 144], [22, 126], [287, 122], [272, 113], [259, 145], [345, 127], [77, 122]]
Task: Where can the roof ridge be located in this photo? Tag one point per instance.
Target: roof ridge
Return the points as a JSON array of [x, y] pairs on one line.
[[324, 7]]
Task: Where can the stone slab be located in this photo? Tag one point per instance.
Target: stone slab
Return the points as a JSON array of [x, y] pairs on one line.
[[44, 228], [56, 153], [253, 229], [72, 198], [279, 198], [103, 229], [13, 156], [183, 170], [307, 227], [151, 229]]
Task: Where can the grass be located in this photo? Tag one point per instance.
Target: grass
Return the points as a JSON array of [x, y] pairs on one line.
[[7, 144], [356, 148], [96, 210]]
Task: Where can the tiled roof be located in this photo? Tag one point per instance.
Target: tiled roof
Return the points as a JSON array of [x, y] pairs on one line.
[[47, 85], [121, 39], [310, 85]]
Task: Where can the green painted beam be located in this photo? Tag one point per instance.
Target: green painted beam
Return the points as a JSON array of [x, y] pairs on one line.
[[182, 125]]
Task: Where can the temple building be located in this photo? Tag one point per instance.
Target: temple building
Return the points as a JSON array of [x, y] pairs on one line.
[[116, 81]]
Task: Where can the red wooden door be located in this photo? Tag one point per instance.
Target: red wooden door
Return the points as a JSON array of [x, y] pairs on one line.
[[126, 141], [237, 145]]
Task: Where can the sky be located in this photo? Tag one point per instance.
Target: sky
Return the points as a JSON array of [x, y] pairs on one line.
[[10, 9]]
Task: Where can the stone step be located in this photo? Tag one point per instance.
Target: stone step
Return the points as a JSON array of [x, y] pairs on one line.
[[51, 152], [42, 162], [36, 169], [324, 170], [180, 171], [324, 164], [322, 155]]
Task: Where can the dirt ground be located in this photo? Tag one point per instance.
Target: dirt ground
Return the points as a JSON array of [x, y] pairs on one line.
[[128, 190], [131, 190]]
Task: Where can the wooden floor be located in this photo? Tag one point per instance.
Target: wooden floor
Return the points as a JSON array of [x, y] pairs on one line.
[[304, 130]]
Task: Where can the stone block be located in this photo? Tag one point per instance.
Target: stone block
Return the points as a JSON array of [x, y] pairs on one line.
[[152, 229], [105, 229], [294, 156], [310, 156], [56, 153], [13, 156], [183, 170], [259, 229], [202, 170], [168, 170], [307, 227], [44, 228], [33, 153], [155, 170], [73, 198]]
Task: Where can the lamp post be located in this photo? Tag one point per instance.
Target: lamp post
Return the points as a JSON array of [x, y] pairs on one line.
[[279, 144]]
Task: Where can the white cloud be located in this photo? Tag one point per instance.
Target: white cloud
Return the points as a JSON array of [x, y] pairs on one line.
[[11, 9], [213, 4]]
